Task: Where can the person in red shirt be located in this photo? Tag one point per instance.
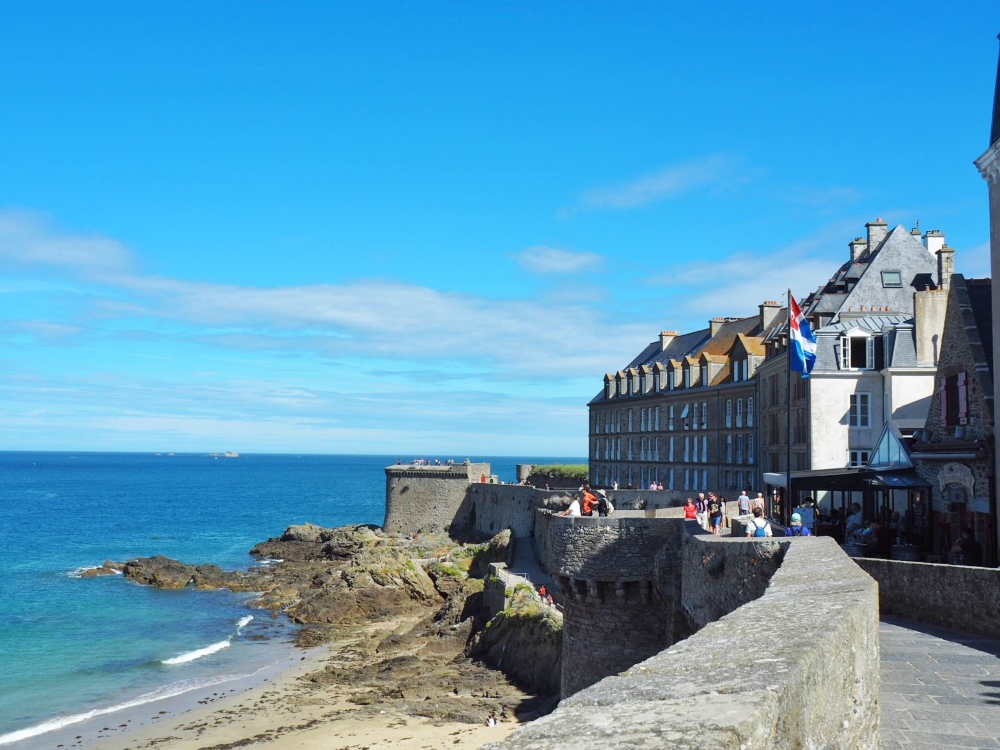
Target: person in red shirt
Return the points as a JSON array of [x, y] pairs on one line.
[[690, 510], [589, 504]]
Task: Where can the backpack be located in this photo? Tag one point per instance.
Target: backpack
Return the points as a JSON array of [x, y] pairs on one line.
[[611, 508], [758, 529]]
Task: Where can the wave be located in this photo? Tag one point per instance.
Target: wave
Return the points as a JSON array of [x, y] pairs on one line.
[[209, 650], [167, 691], [78, 572], [197, 653], [264, 562]]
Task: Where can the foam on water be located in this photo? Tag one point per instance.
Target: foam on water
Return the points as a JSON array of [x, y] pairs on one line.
[[197, 653], [167, 691]]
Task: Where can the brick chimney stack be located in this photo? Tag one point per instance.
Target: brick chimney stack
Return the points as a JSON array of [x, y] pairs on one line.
[[768, 311], [946, 266], [933, 241], [715, 324], [858, 246], [665, 338], [877, 230]]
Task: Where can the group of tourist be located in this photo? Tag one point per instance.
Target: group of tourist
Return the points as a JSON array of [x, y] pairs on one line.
[[711, 513], [588, 503]]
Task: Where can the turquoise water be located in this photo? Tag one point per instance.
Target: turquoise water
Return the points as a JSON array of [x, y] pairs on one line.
[[70, 645]]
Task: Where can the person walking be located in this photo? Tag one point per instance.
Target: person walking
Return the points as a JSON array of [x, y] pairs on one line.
[[701, 510], [796, 528], [758, 526], [714, 514], [743, 501]]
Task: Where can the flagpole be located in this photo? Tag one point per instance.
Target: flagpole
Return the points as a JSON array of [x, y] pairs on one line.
[[785, 505]]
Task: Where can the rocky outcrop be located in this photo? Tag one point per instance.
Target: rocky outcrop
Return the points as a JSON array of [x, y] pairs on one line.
[[524, 641], [109, 568]]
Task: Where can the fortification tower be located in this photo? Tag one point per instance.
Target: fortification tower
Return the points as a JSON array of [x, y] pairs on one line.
[[616, 613], [427, 497]]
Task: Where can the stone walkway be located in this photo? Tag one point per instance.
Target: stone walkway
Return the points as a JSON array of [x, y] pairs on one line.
[[940, 688]]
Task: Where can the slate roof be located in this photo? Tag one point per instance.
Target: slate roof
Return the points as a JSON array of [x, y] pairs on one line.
[[981, 299]]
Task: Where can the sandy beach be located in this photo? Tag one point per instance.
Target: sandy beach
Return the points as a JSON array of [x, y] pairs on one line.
[[286, 709]]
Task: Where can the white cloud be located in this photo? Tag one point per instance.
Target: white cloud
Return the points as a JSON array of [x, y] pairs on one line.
[[552, 260], [26, 240], [656, 186]]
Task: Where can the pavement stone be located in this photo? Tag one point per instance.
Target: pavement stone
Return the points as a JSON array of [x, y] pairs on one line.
[[940, 688]]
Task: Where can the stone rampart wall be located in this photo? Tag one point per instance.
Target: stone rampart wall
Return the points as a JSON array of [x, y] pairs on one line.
[[795, 690], [495, 590], [607, 549], [952, 596], [426, 497], [490, 508]]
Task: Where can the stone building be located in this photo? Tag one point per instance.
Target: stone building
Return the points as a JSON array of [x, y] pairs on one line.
[[989, 167], [682, 413], [954, 451], [878, 324]]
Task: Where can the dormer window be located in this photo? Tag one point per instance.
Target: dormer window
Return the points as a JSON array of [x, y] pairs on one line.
[[704, 375], [656, 381], [642, 383], [687, 377], [892, 280], [671, 378], [860, 350]]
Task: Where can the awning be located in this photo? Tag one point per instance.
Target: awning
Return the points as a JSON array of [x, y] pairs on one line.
[[845, 479]]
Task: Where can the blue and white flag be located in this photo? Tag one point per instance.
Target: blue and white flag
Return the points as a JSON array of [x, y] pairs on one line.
[[802, 343]]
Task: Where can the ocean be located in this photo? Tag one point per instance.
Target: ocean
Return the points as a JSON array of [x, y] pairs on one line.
[[73, 647]]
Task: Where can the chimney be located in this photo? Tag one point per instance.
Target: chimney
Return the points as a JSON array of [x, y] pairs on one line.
[[946, 266], [877, 230], [858, 246], [768, 311], [665, 338], [933, 241], [715, 324], [915, 232]]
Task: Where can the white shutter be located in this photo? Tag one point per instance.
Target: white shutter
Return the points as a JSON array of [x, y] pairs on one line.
[[870, 352], [845, 353]]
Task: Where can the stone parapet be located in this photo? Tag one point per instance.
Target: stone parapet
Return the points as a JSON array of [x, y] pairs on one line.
[[426, 497], [814, 682], [952, 596]]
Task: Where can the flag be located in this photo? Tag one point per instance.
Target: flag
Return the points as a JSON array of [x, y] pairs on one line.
[[802, 343]]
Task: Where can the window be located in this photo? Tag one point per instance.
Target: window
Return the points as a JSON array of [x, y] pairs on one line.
[[656, 451], [630, 454], [858, 458], [704, 449], [704, 415], [694, 416], [656, 421], [859, 414], [729, 412], [749, 411], [704, 479], [729, 449], [954, 392], [892, 279], [609, 389], [684, 416], [671, 454], [670, 478], [749, 449], [739, 412], [642, 420], [670, 379], [704, 375], [630, 420], [687, 449], [656, 380], [670, 417], [687, 479], [694, 453], [736, 371], [739, 449], [642, 449], [622, 387], [746, 369], [642, 383], [687, 377], [858, 352]]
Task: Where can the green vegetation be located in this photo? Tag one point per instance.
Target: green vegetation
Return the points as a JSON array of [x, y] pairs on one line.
[[444, 569], [563, 471]]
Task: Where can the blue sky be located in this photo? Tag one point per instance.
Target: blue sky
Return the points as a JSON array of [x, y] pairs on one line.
[[430, 229]]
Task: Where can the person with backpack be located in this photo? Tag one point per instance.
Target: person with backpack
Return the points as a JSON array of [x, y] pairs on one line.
[[796, 528], [743, 501], [758, 526], [604, 506]]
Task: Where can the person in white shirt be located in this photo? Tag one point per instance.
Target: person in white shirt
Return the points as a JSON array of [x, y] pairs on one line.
[[854, 521], [759, 526], [573, 509]]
